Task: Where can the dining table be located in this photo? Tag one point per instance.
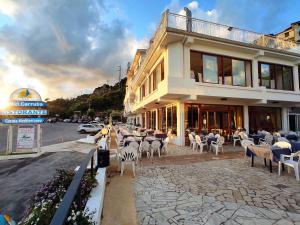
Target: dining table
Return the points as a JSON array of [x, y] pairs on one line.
[[272, 154]]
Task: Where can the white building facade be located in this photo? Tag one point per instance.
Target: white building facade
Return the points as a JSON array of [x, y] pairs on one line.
[[202, 76]]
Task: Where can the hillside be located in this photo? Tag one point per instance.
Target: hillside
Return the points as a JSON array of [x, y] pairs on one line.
[[103, 100]]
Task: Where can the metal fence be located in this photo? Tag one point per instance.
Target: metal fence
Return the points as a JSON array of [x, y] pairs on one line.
[[231, 33], [74, 188]]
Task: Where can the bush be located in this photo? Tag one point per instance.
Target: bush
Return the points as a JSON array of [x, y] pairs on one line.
[[47, 200]]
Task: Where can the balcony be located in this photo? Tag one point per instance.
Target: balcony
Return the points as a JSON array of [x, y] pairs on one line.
[[198, 26], [172, 21]]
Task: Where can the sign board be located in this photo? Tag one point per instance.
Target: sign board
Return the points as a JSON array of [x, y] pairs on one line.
[[24, 112], [25, 94], [23, 121], [25, 138], [28, 104]]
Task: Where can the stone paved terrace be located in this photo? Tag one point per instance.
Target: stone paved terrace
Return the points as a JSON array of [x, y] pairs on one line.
[[216, 192]]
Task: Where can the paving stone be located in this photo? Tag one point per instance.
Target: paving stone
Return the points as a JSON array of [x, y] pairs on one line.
[[206, 193]]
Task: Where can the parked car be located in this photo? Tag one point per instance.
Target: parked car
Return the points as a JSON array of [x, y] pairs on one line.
[[88, 128], [52, 120], [74, 121], [67, 120], [79, 121], [97, 124]]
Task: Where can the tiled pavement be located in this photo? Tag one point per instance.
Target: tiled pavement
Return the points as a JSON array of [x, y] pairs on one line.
[[216, 192]]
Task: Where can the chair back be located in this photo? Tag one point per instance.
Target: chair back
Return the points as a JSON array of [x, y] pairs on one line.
[[221, 140], [198, 139], [282, 144], [210, 135], [217, 136], [144, 147], [280, 139], [191, 138], [155, 145], [246, 143], [269, 138], [128, 154], [134, 144], [243, 135], [236, 133]]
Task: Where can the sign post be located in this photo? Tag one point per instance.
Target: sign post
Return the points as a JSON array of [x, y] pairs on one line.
[[25, 110]]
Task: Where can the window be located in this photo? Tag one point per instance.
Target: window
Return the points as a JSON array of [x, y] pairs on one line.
[[153, 120], [227, 70], [162, 75], [265, 75], [220, 69], [195, 65], [154, 80], [274, 76], [299, 73], [150, 84], [172, 119], [238, 72], [287, 78], [210, 69], [142, 91], [286, 34]]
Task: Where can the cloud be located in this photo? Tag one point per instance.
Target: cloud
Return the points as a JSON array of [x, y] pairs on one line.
[[66, 46]]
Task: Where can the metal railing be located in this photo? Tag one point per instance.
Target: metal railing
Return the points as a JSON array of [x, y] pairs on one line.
[[230, 33], [63, 210]]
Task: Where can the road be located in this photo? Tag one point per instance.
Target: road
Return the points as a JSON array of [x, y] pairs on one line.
[[52, 133]]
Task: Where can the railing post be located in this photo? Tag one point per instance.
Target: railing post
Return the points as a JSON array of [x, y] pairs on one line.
[[92, 167], [188, 14]]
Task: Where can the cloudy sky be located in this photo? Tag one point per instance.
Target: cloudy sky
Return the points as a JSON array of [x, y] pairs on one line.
[[64, 48]]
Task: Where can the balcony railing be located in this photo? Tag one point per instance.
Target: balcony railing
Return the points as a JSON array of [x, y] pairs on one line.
[[190, 24], [230, 33]]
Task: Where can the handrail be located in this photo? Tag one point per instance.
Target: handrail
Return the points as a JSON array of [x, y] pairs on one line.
[[63, 210], [180, 22]]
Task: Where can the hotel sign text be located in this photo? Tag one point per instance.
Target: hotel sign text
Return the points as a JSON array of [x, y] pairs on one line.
[[25, 112]]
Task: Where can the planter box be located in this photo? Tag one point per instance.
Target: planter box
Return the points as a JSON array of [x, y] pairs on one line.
[[95, 202]]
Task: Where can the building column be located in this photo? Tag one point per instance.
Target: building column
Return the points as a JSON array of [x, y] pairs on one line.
[[156, 119], [246, 118], [284, 116], [255, 73], [296, 78], [145, 125], [180, 124]]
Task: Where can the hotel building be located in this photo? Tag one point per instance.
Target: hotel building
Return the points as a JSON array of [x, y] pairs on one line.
[[203, 76]]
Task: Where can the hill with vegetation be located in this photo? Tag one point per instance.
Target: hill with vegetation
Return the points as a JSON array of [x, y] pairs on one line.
[[101, 102]]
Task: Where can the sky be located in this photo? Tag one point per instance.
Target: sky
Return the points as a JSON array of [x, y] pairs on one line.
[[64, 48]]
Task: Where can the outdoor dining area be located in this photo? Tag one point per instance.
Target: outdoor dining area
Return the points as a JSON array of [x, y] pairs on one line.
[[134, 142], [277, 147]]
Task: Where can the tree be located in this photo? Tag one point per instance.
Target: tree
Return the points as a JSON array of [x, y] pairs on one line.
[[91, 113]]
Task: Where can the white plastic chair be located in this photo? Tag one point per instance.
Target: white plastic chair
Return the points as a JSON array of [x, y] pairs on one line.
[[236, 137], [134, 144], [165, 145], [268, 139], [192, 141], [246, 143], [283, 139], [144, 147], [200, 143], [218, 144], [290, 161], [155, 147], [244, 136], [128, 155]]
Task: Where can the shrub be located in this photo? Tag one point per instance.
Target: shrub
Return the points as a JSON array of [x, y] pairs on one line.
[[47, 200]]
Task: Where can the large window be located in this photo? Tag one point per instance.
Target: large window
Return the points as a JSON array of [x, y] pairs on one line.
[[238, 72], [220, 69], [264, 118], [275, 76], [172, 119], [210, 69]]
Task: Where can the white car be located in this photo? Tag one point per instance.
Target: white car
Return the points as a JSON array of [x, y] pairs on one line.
[[88, 128], [97, 124]]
